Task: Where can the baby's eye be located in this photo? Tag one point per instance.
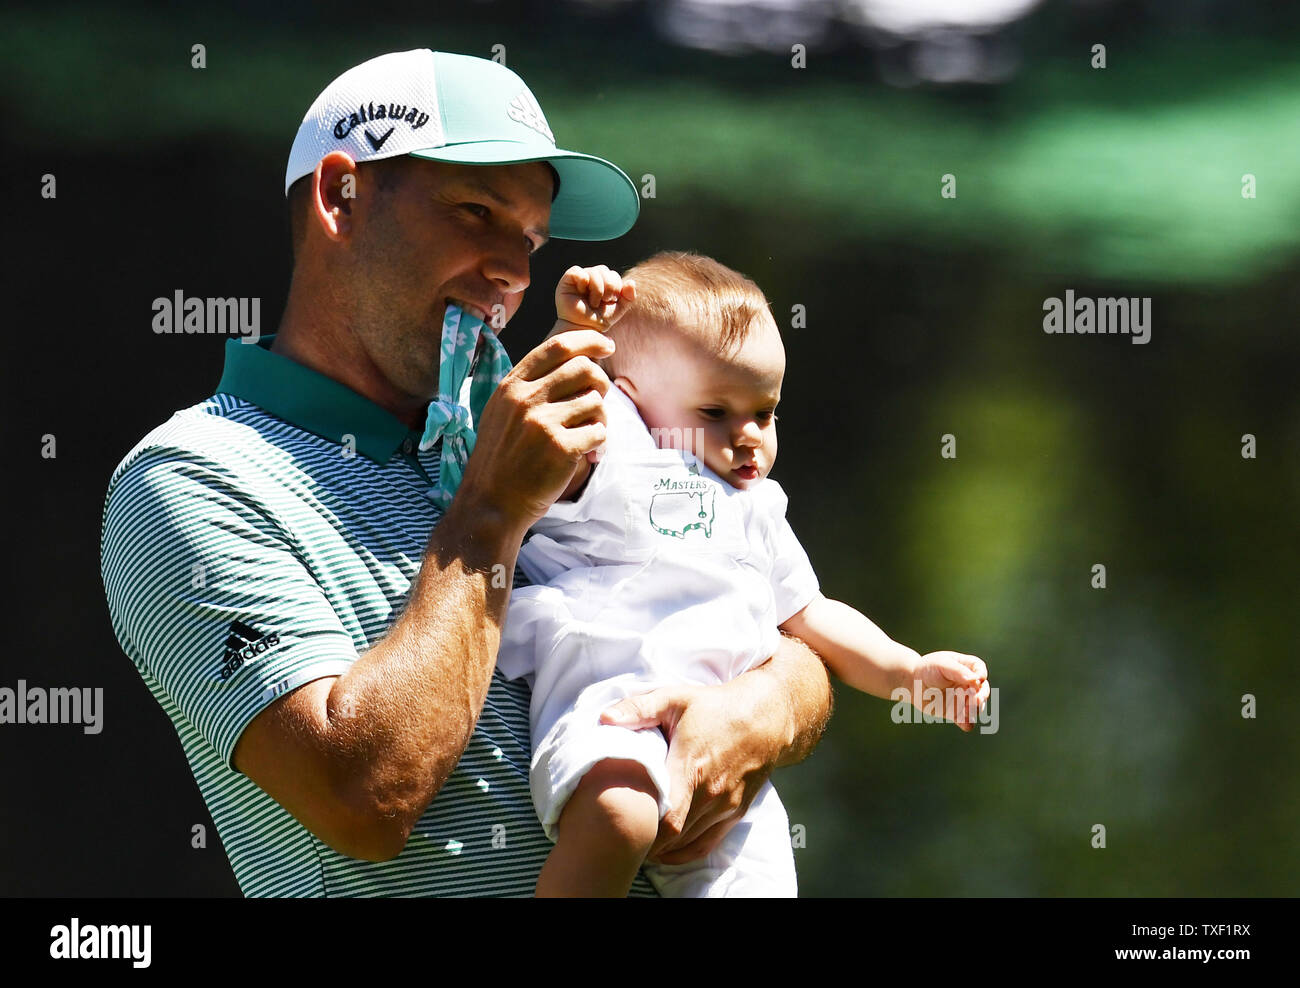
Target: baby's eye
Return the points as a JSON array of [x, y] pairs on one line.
[[478, 209], [766, 415], [712, 413]]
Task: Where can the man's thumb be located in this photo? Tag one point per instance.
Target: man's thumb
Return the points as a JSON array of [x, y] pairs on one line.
[[636, 712]]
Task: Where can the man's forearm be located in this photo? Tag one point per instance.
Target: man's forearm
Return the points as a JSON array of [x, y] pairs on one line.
[[403, 714], [795, 700]]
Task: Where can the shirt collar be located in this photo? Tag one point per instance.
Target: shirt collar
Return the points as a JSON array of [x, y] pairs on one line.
[[310, 400]]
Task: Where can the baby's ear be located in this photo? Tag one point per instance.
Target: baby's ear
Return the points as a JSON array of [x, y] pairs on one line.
[[625, 385]]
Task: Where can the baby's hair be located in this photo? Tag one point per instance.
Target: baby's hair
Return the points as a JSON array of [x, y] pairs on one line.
[[689, 294]]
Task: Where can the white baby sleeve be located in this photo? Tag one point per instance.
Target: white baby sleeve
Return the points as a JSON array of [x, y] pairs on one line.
[[794, 583], [592, 529]]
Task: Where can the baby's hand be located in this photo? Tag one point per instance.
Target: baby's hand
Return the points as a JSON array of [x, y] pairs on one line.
[[591, 298], [964, 680]]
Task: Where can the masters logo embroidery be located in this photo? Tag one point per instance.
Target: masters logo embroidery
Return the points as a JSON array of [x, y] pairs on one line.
[[681, 506]]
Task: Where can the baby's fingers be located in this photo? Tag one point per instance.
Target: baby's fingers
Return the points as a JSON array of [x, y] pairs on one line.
[[594, 296], [617, 294], [961, 714], [954, 669], [596, 282], [968, 705], [615, 303], [607, 291], [975, 664], [602, 287], [577, 278]]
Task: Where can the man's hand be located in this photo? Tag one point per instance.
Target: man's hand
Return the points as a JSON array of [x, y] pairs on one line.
[[540, 423], [724, 741], [548, 413]]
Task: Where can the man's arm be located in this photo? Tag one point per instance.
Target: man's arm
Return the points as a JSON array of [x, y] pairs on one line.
[[799, 686], [725, 740], [359, 757]]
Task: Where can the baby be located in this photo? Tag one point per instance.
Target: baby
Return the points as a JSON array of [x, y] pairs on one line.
[[669, 561]]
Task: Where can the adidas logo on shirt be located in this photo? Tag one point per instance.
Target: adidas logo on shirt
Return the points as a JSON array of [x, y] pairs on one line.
[[244, 644]]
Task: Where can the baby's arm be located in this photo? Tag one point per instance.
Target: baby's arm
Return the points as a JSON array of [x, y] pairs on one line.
[[853, 646], [869, 660], [589, 298]]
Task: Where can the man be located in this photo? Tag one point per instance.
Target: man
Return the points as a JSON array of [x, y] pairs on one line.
[[278, 561]]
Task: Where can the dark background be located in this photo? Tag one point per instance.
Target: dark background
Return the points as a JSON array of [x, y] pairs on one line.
[[1119, 707]]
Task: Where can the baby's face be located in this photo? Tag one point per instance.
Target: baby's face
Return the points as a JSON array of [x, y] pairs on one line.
[[721, 408]]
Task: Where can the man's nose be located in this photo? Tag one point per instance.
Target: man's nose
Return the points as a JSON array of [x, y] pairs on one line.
[[507, 267]]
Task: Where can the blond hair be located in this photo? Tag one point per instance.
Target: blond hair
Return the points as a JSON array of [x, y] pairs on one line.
[[692, 296]]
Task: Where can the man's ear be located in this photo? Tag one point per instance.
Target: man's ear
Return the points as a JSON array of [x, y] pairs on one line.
[[333, 190]]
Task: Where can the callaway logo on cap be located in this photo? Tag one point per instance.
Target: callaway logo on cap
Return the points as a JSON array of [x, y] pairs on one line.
[[456, 108]]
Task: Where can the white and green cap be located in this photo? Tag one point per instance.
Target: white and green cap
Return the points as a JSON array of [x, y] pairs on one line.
[[457, 108]]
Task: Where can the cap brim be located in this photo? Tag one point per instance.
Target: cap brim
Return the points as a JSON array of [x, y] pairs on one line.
[[597, 201]]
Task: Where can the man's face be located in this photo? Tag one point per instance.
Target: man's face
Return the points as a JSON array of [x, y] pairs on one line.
[[723, 408], [435, 233]]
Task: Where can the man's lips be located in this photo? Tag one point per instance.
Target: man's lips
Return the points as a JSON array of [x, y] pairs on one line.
[[473, 308]]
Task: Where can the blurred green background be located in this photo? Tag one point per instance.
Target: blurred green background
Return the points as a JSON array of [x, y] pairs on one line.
[[1119, 707]]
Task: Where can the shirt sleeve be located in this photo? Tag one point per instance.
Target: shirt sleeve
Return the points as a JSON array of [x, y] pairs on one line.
[[209, 598], [593, 527], [794, 583], [571, 533]]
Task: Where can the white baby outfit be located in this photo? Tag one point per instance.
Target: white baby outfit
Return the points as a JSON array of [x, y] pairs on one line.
[[659, 574]]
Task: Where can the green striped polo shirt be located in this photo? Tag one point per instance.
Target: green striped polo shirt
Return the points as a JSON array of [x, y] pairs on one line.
[[260, 540]]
